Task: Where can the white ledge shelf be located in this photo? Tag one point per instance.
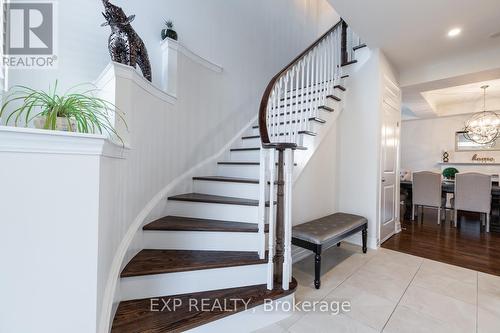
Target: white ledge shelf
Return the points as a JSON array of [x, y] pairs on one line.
[[31, 140], [469, 163]]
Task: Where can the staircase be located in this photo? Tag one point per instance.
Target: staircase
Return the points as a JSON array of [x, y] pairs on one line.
[[222, 242]]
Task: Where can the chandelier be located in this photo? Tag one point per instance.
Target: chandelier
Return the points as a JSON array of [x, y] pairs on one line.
[[483, 127]]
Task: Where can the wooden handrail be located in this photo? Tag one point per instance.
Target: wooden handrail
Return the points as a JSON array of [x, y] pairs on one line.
[[292, 100], [264, 135]]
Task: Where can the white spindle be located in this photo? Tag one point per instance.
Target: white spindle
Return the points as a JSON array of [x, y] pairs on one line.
[[301, 93], [318, 80], [262, 203], [289, 127], [298, 106], [306, 94], [272, 226]]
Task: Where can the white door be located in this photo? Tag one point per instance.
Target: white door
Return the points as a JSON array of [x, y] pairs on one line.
[[389, 196]]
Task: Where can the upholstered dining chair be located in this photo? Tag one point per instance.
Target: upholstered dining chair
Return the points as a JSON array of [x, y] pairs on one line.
[[473, 194], [427, 192]]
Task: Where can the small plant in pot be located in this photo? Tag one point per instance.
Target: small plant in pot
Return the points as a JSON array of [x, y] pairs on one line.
[[78, 110], [169, 31], [449, 173]]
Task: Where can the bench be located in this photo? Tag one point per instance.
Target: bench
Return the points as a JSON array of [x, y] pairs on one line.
[[325, 232]]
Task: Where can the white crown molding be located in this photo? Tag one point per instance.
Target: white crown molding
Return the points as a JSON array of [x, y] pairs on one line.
[[31, 140], [117, 70], [175, 45]]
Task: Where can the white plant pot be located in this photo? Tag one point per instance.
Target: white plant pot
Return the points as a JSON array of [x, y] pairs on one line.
[[61, 124]]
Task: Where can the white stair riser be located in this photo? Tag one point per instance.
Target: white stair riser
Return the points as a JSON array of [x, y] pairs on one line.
[[227, 189], [201, 240], [241, 171], [150, 286], [249, 143], [252, 131], [251, 319], [254, 155], [245, 156], [213, 211]]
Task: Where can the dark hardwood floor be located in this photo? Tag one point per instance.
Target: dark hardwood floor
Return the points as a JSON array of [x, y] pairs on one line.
[[468, 246]]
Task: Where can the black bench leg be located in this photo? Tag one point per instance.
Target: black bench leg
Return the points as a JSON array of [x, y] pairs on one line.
[[364, 234], [338, 244], [317, 267]]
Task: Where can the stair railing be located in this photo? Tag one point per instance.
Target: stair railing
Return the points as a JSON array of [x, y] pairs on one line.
[[291, 99]]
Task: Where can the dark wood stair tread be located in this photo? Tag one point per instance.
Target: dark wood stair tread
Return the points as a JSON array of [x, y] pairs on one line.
[[349, 63], [315, 119], [150, 262], [228, 179], [334, 97], [136, 316], [179, 223], [217, 199], [340, 87], [259, 148], [360, 46], [238, 163], [326, 108], [310, 133], [242, 163], [250, 137]]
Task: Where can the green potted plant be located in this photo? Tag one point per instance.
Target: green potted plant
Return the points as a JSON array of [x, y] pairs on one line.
[[449, 173], [169, 31], [78, 110]]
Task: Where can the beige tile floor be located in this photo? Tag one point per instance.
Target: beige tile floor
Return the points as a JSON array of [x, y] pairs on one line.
[[395, 293]]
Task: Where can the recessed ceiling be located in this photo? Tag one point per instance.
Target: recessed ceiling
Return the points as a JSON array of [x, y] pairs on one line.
[[414, 33], [462, 94]]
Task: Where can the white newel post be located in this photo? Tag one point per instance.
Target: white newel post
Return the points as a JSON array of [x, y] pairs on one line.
[[169, 49]]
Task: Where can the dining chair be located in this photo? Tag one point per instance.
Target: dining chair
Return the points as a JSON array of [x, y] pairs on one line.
[[427, 192], [473, 194]]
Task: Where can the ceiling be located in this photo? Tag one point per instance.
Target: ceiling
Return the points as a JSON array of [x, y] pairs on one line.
[[468, 93], [451, 97], [414, 33]]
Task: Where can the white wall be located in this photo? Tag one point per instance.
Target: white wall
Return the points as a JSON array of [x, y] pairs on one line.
[[48, 243], [315, 191], [360, 137], [261, 34], [423, 142]]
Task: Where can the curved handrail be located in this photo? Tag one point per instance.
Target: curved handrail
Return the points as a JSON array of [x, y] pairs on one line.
[[264, 134]]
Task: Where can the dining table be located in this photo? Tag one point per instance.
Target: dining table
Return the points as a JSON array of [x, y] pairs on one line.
[[448, 187]]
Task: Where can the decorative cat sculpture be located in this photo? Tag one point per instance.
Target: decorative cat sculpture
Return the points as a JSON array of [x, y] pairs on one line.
[[125, 45]]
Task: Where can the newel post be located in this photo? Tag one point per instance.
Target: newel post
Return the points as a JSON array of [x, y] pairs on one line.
[[169, 49]]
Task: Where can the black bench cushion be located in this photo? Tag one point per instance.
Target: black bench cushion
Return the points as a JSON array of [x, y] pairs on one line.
[[321, 230]]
